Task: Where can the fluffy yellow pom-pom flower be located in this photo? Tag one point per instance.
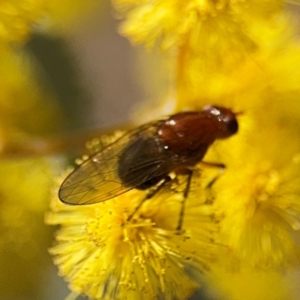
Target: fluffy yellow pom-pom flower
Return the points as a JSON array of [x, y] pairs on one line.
[[104, 256], [260, 194], [172, 22]]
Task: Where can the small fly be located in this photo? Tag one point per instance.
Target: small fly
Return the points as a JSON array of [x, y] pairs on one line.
[[145, 157]]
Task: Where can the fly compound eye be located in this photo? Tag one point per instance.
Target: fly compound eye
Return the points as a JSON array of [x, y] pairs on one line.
[[232, 126]]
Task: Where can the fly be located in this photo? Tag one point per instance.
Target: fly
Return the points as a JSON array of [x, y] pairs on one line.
[[144, 157]]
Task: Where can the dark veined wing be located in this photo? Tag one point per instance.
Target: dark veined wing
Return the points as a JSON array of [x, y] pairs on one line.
[[97, 179]]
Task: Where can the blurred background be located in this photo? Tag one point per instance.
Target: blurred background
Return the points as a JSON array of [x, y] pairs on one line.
[[67, 75]]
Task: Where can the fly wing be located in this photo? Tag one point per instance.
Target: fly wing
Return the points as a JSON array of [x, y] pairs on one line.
[[97, 179]]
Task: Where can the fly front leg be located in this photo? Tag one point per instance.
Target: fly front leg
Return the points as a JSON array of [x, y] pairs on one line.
[[150, 195], [221, 167]]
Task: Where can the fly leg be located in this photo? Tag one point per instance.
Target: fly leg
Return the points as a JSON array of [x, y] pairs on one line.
[[150, 195], [221, 168], [185, 195]]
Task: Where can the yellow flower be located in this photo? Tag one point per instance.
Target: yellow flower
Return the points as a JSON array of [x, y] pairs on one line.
[[172, 22], [251, 285], [17, 18], [104, 256], [211, 42], [262, 208]]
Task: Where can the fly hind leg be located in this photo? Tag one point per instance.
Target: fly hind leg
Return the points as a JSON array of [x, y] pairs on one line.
[[185, 195]]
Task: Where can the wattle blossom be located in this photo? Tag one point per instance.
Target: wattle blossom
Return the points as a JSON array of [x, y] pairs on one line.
[[243, 55]]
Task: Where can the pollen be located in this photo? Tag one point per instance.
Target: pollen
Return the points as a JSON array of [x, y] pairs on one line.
[[104, 256]]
